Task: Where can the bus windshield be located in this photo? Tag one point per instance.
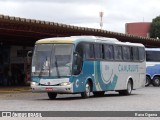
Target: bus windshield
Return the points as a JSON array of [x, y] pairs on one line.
[[153, 56], [52, 60]]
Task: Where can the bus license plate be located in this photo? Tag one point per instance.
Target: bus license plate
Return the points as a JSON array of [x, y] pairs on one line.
[[49, 89]]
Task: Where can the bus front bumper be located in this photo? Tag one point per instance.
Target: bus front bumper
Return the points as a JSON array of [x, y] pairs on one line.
[[55, 89]]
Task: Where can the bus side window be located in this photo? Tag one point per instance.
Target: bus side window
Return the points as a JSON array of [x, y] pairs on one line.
[[141, 54], [118, 52], [78, 59], [148, 58], [98, 51], [89, 51], [134, 54], [79, 49], [108, 51], [152, 55], [126, 53]]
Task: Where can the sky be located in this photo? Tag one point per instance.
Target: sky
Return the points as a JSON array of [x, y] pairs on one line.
[[84, 13]]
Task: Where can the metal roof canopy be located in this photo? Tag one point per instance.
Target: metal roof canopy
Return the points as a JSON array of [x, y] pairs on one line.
[[21, 31]]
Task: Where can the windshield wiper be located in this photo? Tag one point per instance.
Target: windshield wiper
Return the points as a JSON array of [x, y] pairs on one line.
[[56, 64]]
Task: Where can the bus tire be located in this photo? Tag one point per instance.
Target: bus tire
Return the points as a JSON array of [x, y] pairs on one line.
[[156, 81], [87, 92], [99, 93], [52, 96], [148, 81], [128, 91]]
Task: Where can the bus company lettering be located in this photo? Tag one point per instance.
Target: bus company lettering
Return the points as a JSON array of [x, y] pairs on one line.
[[128, 68]]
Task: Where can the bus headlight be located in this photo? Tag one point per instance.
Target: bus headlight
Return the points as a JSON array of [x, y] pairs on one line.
[[65, 83], [33, 84]]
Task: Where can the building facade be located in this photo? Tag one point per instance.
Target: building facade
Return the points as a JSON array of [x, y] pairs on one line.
[[14, 64], [138, 29], [18, 35]]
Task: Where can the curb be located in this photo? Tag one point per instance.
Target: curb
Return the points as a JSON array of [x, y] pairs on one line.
[[5, 90]]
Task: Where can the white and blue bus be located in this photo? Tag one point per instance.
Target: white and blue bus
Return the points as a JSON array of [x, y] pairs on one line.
[[85, 64], [152, 66]]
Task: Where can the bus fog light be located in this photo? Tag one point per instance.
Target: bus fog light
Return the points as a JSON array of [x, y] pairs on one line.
[[65, 83]]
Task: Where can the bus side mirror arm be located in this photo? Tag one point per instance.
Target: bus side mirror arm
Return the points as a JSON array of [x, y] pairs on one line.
[[29, 54]]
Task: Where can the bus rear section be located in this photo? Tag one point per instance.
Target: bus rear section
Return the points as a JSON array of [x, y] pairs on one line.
[[152, 66]]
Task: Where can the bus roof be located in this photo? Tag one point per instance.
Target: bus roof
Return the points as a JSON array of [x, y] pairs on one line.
[[77, 39], [152, 49], [74, 39]]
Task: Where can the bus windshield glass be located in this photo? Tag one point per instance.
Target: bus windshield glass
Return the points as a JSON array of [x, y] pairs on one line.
[[153, 56], [52, 60]]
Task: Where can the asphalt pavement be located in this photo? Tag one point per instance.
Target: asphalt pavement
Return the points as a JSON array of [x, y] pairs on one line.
[[145, 99]]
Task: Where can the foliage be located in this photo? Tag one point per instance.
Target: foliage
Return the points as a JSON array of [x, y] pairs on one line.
[[155, 28]]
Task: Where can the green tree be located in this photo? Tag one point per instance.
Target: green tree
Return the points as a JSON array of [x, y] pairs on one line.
[[155, 28]]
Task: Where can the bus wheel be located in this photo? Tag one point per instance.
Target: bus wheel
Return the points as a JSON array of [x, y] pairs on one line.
[[128, 90], [148, 81], [87, 91], [156, 81], [52, 95], [99, 93]]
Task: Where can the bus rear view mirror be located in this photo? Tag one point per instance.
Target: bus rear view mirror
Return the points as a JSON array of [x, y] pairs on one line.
[[29, 54], [76, 54]]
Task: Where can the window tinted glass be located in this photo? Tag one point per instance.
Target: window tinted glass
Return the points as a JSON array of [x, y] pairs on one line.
[[80, 49], [152, 55], [118, 52], [126, 53], [134, 53], [98, 51], [89, 51], [108, 52], [141, 54]]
